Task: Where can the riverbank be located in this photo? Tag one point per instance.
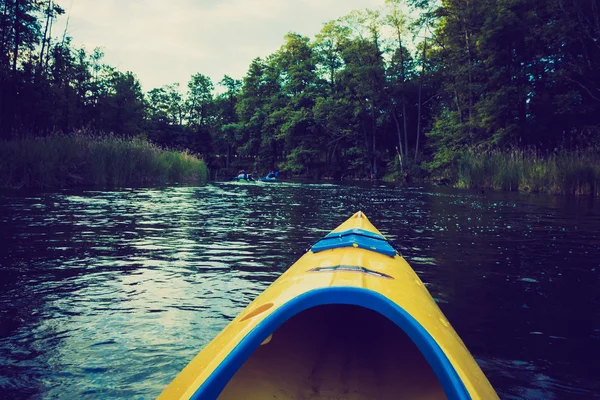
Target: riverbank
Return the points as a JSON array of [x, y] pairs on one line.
[[60, 161], [561, 172]]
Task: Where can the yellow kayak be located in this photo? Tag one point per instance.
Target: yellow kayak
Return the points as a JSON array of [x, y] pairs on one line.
[[349, 320]]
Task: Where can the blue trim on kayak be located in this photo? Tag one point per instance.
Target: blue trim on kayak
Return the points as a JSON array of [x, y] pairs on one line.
[[443, 369], [355, 231], [355, 238]]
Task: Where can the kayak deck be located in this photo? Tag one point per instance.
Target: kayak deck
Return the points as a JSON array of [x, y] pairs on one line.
[[336, 352]]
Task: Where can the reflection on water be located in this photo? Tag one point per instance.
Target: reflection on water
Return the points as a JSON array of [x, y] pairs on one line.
[[109, 294]]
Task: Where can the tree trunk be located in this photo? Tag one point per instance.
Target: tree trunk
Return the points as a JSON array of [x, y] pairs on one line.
[[405, 128], [17, 29], [192, 112], [366, 137], [67, 113], [456, 100], [469, 67], [4, 33], [44, 39], [402, 78], [47, 61], [420, 90], [374, 169], [332, 73], [201, 122], [399, 138], [469, 73]]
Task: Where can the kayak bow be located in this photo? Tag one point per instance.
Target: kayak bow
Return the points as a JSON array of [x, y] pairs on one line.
[[266, 179], [349, 320]]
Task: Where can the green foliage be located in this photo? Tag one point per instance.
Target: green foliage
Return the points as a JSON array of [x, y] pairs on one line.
[[297, 160], [199, 100], [73, 160], [356, 158], [165, 105], [516, 72], [449, 137]]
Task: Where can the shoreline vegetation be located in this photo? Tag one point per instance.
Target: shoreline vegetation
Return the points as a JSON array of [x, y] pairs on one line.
[[565, 172], [105, 160], [60, 161]]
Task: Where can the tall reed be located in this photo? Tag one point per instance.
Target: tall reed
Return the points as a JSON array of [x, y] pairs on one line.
[[73, 160], [571, 172]]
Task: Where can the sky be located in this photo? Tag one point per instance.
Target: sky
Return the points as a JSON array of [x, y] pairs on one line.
[[164, 42]]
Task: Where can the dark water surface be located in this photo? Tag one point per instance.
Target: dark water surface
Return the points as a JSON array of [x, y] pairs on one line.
[[109, 294]]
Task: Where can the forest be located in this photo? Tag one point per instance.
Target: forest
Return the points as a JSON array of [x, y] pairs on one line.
[[496, 93]]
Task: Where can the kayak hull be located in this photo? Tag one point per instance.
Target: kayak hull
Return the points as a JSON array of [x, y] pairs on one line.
[[380, 333]]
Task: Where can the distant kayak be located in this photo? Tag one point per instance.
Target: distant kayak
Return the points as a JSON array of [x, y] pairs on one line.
[[248, 179], [266, 179], [349, 320]]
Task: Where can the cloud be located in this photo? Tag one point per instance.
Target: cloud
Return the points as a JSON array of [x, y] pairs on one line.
[[168, 41]]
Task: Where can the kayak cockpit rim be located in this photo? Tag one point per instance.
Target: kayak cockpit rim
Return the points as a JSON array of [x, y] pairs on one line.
[[451, 383]]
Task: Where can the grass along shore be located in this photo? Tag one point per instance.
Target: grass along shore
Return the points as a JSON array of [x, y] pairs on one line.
[[77, 160], [562, 172]]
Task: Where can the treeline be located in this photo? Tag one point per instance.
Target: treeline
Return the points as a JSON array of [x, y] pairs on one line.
[[375, 92], [47, 85]]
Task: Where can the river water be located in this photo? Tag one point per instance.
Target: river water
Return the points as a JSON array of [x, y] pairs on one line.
[[108, 294]]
